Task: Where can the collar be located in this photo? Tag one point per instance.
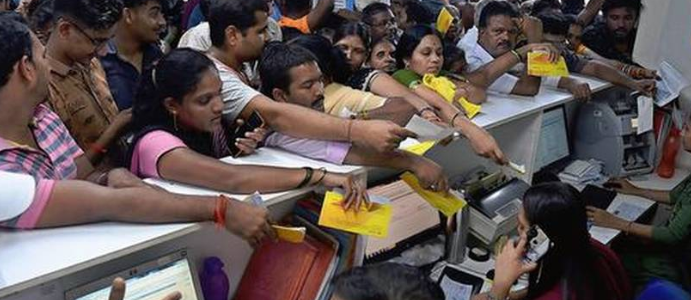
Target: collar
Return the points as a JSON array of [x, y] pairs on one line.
[[39, 113], [151, 51], [58, 67], [482, 54], [111, 48], [6, 144]]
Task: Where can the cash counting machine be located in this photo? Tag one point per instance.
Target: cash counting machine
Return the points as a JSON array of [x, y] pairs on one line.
[[494, 201], [606, 130]]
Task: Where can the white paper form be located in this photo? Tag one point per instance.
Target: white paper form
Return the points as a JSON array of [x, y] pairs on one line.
[[645, 114], [628, 211], [455, 290], [426, 130], [671, 84]]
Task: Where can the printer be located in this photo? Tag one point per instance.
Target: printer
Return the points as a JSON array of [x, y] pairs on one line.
[[494, 201]]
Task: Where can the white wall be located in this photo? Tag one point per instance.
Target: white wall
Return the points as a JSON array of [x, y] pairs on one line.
[[664, 33]]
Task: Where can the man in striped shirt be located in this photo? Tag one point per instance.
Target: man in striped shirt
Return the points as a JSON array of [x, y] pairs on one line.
[[42, 157], [33, 139]]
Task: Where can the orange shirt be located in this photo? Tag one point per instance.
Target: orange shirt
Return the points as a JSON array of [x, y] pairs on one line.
[[299, 24]]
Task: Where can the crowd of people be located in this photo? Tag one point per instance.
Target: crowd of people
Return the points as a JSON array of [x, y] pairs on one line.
[[96, 95]]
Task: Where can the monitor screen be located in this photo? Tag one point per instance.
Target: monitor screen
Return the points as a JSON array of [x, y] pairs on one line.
[[152, 281], [554, 142]]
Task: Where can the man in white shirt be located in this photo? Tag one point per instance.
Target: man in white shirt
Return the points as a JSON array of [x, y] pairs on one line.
[[238, 35], [198, 37], [497, 35]]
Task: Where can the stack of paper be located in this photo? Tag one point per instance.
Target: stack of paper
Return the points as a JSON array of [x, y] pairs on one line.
[[582, 172]]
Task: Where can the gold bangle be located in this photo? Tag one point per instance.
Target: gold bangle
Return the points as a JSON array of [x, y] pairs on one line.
[[518, 56]]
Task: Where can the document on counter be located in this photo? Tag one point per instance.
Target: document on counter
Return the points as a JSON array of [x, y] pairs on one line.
[[628, 211], [372, 222], [455, 290], [670, 84]]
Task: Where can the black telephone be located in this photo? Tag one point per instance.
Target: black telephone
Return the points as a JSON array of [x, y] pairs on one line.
[[233, 133], [538, 244]]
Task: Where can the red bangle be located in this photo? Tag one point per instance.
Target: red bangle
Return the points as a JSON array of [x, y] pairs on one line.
[[98, 148], [220, 211]]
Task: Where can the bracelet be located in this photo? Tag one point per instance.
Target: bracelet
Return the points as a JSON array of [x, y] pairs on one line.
[[322, 177], [349, 131], [628, 228], [363, 115], [308, 177], [453, 120], [426, 108], [637, 73], [515, 53], [220, 211], [102, 179], [98, 148]]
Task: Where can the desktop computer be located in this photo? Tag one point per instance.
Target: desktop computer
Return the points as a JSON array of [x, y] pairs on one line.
[[553, 145]]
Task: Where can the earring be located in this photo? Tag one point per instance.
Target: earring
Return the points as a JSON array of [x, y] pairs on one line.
[[175, 120]]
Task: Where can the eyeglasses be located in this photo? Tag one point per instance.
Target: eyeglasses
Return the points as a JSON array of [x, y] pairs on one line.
[[97, 43], [385, 23]]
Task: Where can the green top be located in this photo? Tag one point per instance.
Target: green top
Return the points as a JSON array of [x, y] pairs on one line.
[[678, 226], [407, 77], [411, 79]]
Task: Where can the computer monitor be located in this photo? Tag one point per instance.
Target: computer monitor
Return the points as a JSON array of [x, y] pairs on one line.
[[554, 141], [152, 280]]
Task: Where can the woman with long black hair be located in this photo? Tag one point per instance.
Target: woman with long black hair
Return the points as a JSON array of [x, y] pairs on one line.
[[575, 267], [179, 135]]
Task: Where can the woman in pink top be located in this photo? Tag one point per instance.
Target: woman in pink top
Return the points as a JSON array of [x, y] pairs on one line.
[[179, 135]]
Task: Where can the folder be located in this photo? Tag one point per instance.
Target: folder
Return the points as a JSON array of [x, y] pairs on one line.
[[289, 271], [278, 271]]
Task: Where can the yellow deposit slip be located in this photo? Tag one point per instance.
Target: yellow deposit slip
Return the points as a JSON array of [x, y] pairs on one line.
[[447, 204], [290, 234], [373, 222], [539, 65]]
